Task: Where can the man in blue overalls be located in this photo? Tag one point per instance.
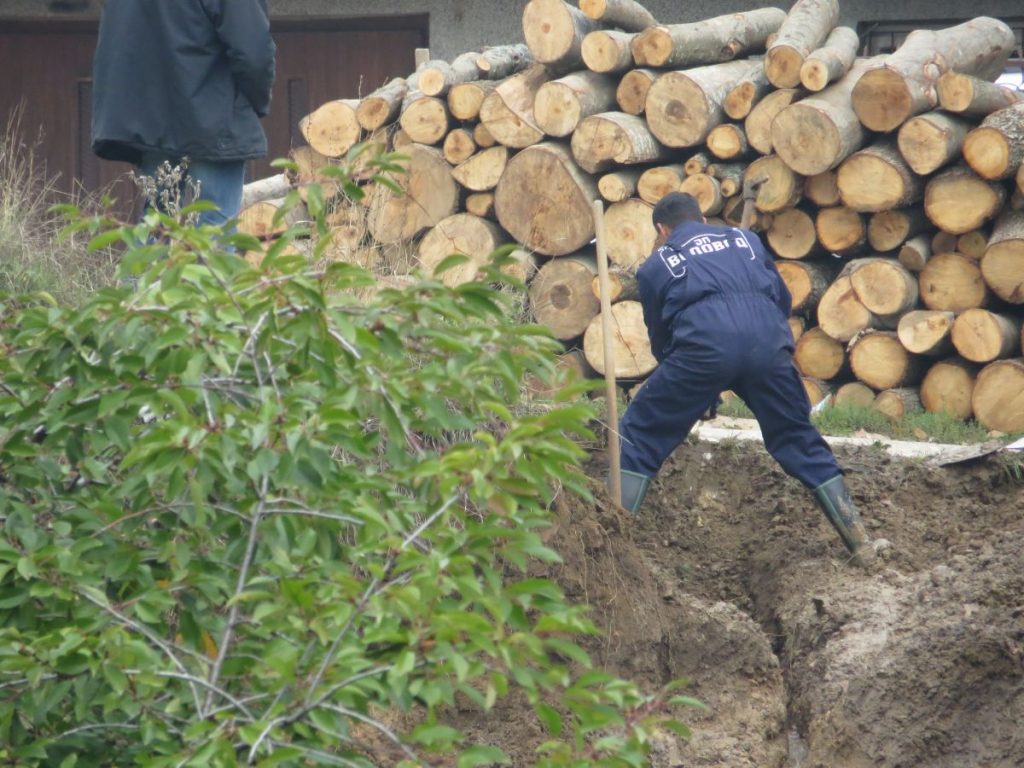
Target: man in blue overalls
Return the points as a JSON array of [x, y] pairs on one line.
[[716, 311]]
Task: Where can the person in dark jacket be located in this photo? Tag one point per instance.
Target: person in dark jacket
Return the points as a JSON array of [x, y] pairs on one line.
[[177, 79], [716, 311]]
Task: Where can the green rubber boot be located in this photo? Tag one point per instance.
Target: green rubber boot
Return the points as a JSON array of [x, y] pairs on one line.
[[834, 500], [634, 488]]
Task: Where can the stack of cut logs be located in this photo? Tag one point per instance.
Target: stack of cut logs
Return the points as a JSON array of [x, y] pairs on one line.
[[894, 203]]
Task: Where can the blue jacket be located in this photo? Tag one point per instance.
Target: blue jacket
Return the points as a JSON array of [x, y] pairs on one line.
[[713, 286]]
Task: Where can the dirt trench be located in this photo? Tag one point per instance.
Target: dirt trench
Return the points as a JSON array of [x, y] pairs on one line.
[[731, 578]]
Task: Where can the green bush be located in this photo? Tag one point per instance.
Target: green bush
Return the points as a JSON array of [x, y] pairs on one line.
[[270, 515]]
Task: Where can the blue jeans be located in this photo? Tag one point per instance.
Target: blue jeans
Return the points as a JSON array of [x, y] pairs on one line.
[[220, 182]]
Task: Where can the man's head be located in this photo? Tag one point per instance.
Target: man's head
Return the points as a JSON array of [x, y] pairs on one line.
[[674, 209]]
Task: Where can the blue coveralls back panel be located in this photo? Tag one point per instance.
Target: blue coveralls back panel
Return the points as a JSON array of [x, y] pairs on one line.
[[716, 311]]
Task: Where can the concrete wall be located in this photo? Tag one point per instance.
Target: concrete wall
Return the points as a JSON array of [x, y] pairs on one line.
[[461, 25]]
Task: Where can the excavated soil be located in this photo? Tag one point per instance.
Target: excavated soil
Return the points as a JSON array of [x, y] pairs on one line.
[[730, 577]]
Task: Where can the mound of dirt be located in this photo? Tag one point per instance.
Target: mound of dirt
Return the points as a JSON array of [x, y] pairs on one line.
[[732, 578]]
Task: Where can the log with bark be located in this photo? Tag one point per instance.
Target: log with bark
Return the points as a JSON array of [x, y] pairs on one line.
[[501, 61], [927, 332], [655, 183], [728, 141], [483, 137], [819, 355], [436, 77], [982, 336], [792, 235], [424, 118], [507, 111], [898, 403], [629, 232], [482, 171], [781, 189], [932, 140], [561, 104], [631, 95], [877, 178], [915, 253], [841, 314], [1002, 266], [758, 125], [729, 175], [822, 189], [957, 200], [269, 188], [805, 28], [620, 185], [711, 41], [465, 99], [879, 360], [560, 296], [383, 105], [707, 191], [830, 62], [465, 235], [458, 146], [614, 138], [884, 286], [622, 285], [698, 162], [481, 204], [998, 397], [841, 230], [745, 94], [624, 14], [269, 218], [332, 129], [554, 32], [995, 149], [953, 283], [427, 194], [972, 97], [944, 242], [948, 387], [889, 230], [544, 201], [631, 346], [905, 83], [855, 394], [608, 51], [816, 389]]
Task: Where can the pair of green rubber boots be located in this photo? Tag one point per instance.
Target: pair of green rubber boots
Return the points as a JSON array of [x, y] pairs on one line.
[[832, 496]]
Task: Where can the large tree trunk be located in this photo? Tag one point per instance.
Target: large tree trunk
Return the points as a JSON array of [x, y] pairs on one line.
[[657, 182], [782, 188], [561, 104], [615, 138], [507, 111], [544, 201], [554, 31], [880, 361], [424, 118], [631, 346], [807, 282], [888, 230], [948, 387], [952, 283], [707, 191], [915, 253], [758, 125], [728, 142], [995, 149], [683, 107], [932, 140], [719, 39], [819, 355], [382, 106], [804, 29], [332, 129], [629, 232], [560, 296], [998, 398], [972, 97], [877, 178], [830, 62], [501, 61], [631, 95], [624, 14], [792, 235], [620, 185], [905, 84], [898, 403], [482, 171], [1003, 263], [822, 189], [884, 286], [841, 230], [465, 99], [982, 336], [842, 316], [463, 234], [608, 51], [927, 332], [817, 133], [428, 193], [458, 146], [745, 94], [957, 200]]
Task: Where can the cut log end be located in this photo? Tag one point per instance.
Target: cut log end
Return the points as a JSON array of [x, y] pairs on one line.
[[782, 64], [989, 153], [882, 100], [947, 388], [807, 139], [814, 75], [998, 397]]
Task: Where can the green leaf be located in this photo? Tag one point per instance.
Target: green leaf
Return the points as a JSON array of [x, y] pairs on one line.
[[475, 756]]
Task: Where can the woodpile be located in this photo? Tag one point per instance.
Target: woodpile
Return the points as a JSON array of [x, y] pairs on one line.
[[894, 200]]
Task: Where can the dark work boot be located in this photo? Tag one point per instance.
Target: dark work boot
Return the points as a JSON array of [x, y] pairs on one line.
[[634, 488], [834, 500]]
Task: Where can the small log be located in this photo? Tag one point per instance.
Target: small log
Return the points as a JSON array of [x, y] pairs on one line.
[[842, 316], [982, 336], [615, 138], [796, 326], [745, 94], [462, 234], [805, 28], [712, 41], [608, 51], [830, 62], [841, 230], [560, 295], [458, 146], [482, 171], [562, 104], [728, 141], [973, 244], [957, 200], [483, 137], [807, 282], [889, 230], [926, 332], [995, 149], [269, 188], [507, 111], [631, 346], [481, 204], [620, 185], [624, 14], [706, 190], [816, 134], [465, 99], [631, 95], [816, 389], [400, 140], [952, 283], [792, 235], [427, 194], [822, 189], [944, 242], [997, 399], [501, 61], [854, 394], [383, 105], [898, 403], [915, 253], [544, 201], [948, 387], [554, 32], [622, 286], [781, 190], [758, 125], [932, 140], [877, 178], [905, 83], [630, 233], [262, 219], [683, 107], [424, 118], [972, 97], [819, 355], [1003, 263], [729, 175], [657, 182], [884, 286], [436, 78], [332, 129], [879, 360], [698, 162]]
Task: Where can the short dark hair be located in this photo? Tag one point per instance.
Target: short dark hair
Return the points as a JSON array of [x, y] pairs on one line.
[[675, 208]]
